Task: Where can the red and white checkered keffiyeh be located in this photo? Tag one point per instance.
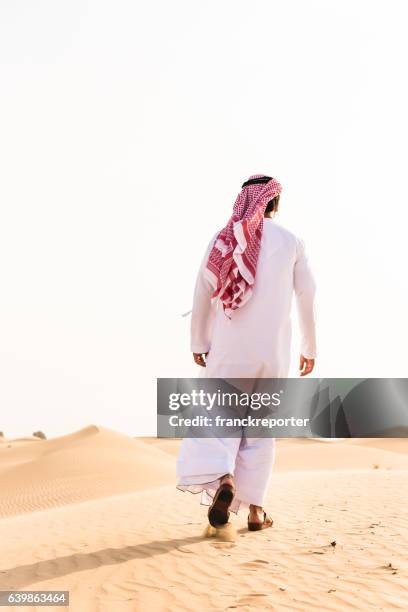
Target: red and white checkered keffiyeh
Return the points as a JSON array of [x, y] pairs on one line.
[[231, 265]]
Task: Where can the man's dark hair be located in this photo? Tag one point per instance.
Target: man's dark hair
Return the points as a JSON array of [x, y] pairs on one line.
[[272, 204]]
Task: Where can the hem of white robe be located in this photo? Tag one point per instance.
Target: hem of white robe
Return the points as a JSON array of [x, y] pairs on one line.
[[200, 348], [208, 489]]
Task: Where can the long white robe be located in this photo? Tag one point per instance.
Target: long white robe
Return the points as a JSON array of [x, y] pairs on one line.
[[254, 343]]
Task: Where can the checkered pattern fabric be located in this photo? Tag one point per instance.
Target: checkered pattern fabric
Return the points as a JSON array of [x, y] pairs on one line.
[[231, 265]]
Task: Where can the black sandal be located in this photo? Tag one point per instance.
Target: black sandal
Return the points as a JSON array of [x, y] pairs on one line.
[[218, 512], [267, 522]]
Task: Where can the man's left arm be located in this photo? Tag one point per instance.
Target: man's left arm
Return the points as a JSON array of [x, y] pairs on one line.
[[203, 314]]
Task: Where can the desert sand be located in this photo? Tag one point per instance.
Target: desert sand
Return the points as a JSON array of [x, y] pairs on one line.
[[96, 513]]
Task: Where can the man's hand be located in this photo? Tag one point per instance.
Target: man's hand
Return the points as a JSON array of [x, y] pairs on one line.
[[199, 359], [306, 365]]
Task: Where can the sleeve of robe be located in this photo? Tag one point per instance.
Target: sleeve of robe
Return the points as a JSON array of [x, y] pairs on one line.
[[204, 310], [305, 289]]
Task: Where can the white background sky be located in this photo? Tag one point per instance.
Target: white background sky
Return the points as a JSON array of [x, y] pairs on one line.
[[127, 129]]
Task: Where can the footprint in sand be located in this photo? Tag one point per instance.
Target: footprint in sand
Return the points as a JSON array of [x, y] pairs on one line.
[[254, 565], [185, 549], [223, 545], [251, 598]]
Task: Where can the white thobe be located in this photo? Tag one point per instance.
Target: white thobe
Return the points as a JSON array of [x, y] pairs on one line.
[[254, 343]]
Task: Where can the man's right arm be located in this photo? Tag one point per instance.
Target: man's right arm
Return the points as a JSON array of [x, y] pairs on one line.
[[305, 290]]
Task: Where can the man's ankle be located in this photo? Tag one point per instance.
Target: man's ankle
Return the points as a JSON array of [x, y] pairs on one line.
[[227, 478]]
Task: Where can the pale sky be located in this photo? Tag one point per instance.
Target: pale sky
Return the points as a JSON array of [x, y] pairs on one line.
[[127, 129]]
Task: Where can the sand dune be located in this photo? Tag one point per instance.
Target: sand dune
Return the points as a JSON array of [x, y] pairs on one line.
[[306, 454], [94, 462], [396, 445], [109, 526], [338, 456]]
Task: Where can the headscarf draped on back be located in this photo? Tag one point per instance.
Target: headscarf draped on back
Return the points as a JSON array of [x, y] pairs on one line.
[[231, 265]]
